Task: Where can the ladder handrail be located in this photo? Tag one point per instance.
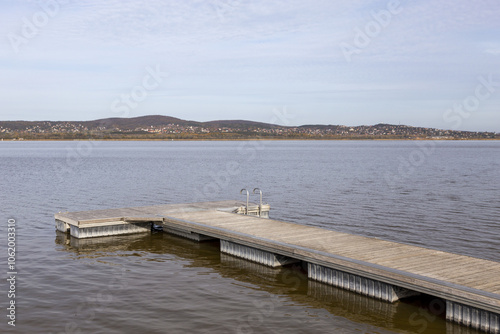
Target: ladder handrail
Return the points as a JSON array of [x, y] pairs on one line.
[[248, 197], [260, 191], [260, 205]]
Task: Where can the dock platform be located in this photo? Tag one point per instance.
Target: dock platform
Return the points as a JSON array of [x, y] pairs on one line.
[[377, 268]]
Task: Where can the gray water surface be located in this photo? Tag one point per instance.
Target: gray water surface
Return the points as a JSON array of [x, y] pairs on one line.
[[443, 195]]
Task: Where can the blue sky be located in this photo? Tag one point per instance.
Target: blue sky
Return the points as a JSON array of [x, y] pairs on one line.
[[421, 63]]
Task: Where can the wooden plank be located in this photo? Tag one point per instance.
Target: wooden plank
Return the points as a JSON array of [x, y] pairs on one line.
[[419, 264], [402, 260], [448, 276], [488, 284], [484, 278], [373, 253]]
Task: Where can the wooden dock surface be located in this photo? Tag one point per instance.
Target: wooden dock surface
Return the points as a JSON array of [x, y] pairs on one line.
[[458, 278]]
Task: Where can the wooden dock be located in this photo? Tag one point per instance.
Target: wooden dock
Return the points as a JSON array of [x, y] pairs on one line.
[[369, 266]]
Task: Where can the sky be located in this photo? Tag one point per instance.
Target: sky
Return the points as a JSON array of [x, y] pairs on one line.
[[291, 62]]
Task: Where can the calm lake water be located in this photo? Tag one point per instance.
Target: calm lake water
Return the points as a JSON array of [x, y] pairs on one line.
[[443, 195]]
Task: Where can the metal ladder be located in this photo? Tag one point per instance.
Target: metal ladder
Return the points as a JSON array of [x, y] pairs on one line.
[[247, 207]]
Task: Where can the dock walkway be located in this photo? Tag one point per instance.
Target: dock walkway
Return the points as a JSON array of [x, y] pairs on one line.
[[373, 267]]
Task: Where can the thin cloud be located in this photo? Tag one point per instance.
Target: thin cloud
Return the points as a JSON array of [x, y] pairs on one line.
[[284, 51]]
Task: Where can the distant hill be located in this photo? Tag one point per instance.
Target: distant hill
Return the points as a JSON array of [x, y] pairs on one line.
[[166, 127], [137, 122], [238, 124]]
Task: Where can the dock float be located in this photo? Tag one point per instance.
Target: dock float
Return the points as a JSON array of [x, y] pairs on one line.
[[381, 269]]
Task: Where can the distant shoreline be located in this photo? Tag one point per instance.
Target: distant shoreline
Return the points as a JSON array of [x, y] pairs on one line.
[[159, 127], [252, 139]]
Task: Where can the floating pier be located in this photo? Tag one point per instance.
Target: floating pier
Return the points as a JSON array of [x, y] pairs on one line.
[[377, 268]]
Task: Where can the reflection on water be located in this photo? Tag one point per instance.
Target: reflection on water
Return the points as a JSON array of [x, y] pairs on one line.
[[156, 283], [285, 285], [99, 245]]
